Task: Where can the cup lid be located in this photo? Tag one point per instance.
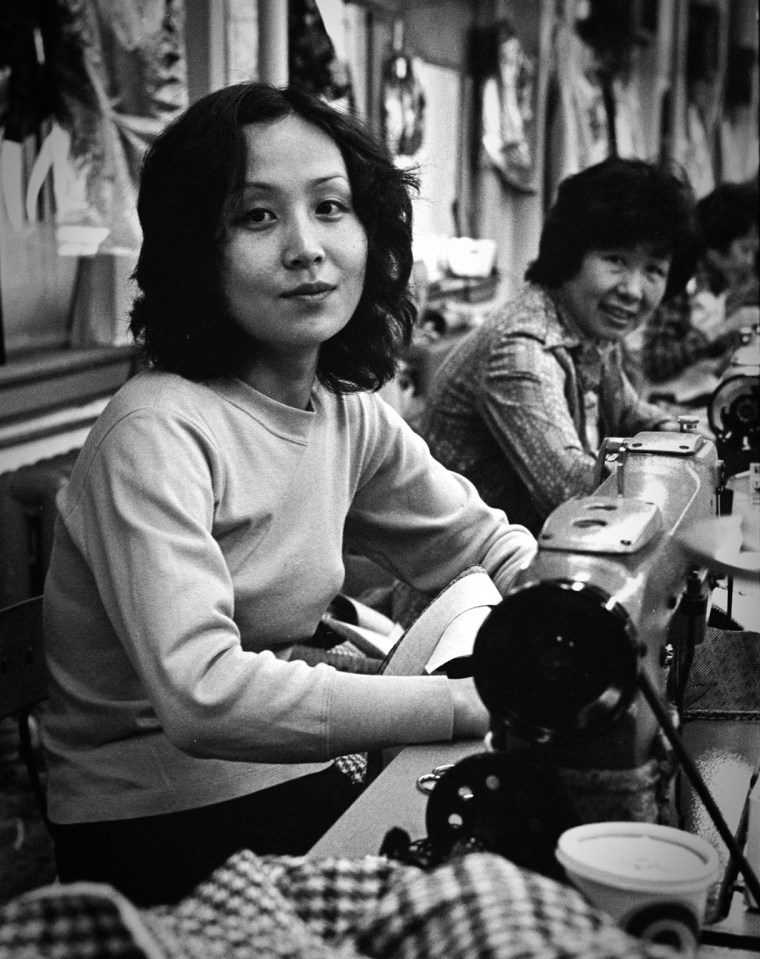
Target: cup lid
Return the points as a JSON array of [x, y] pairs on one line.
[[635, 855]]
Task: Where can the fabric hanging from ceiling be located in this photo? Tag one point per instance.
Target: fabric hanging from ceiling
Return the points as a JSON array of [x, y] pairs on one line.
[[313, 61], [92, 83], [509, 110]]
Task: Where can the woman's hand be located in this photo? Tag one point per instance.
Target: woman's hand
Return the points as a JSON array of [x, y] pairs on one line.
[[471, 717]]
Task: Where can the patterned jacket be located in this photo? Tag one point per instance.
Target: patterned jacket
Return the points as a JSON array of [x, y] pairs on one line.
[[514, 408]]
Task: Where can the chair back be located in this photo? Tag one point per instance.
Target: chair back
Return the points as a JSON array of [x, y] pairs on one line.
[[23, 679]]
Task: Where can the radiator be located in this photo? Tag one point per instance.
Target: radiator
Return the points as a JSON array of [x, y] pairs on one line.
[[27, 520]]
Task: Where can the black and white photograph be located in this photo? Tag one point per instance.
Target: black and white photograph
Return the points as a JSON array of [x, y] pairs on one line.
[[379, 479]]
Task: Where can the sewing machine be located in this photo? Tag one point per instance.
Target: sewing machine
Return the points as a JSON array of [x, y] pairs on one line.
[[584, 664], [733, 410], [579, 665], [604, 620], [611, 594]]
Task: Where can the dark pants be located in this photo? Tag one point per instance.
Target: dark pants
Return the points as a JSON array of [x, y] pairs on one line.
[[160, 859]]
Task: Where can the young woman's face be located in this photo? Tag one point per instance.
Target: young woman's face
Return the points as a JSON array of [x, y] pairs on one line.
[[615, 290], [296, 252]]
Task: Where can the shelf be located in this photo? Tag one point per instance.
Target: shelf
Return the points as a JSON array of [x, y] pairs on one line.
[[45, 382]]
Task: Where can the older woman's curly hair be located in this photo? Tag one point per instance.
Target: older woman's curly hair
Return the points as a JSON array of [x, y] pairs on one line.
[[194, 172], [619, 202]]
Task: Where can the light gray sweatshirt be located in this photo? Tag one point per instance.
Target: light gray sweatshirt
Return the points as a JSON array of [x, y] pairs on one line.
[[201, 536]]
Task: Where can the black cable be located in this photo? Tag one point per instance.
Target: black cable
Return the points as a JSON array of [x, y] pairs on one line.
[[694, 606]]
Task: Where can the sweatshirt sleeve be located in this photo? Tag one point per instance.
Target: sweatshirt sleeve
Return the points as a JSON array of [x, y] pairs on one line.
[[160, 584], [438, 525]]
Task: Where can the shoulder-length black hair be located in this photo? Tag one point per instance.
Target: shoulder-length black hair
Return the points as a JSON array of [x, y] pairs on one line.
[[191, 174], [728, 213], [619, 202]]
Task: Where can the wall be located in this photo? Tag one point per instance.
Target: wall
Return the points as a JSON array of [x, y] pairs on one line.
[[37, 285], [511, 217], [439, 35], [65, 317], [45, 296], [660, 111]]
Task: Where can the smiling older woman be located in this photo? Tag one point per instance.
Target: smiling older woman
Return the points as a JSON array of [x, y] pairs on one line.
[[522, 404]]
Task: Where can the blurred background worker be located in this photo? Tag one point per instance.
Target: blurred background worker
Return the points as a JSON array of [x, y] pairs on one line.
[[695, 333]]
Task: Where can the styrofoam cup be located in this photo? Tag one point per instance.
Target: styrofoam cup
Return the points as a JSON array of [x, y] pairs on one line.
[[653, 880]]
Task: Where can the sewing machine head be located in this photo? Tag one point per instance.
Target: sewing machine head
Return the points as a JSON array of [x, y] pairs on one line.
[[557, 662]]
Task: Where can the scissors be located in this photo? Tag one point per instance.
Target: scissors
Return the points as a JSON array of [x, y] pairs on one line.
[[426, 782]]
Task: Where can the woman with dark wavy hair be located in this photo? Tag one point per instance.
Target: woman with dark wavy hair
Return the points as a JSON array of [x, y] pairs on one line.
[[188, 192], [202, 534]]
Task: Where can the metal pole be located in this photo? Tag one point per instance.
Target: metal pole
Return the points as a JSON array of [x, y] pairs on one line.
[[273, 42]]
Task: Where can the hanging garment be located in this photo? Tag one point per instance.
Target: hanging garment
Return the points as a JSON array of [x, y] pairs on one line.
[[629, 132], [508, 114], [117, 74], [579, 133], [312, 60], [403, 107], [694, 152], [739, 151], [28, 98]]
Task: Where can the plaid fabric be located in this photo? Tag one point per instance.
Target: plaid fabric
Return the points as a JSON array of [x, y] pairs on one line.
[[347, 658], [297, 908], [272, 908], [483, 905], [354, 766], [73, 922]]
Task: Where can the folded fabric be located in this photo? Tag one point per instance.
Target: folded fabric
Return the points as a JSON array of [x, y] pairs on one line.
[[295, 907]]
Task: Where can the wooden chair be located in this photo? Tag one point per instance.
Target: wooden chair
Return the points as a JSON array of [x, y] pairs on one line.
[[23, 679]]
